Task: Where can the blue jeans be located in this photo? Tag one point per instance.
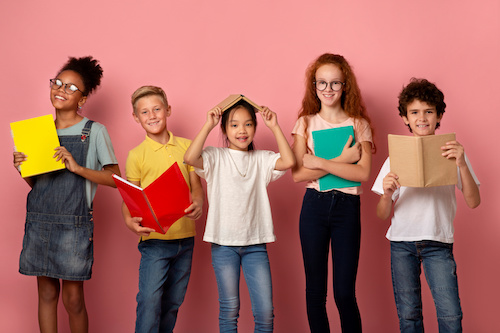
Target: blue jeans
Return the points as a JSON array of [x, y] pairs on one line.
[[440, 273], [254, 261], [331, 218], [163, 278]]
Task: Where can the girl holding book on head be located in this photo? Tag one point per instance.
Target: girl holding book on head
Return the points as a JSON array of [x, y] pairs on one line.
[[58, 239], [239, 221], [331, 217]]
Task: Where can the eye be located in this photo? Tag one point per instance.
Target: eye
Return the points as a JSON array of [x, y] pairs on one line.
[[58, 82], [73, 88]]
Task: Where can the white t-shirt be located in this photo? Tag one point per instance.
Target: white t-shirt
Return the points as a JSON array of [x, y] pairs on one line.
[[422, 213], [362, 132], [100, 151], [239, 213]]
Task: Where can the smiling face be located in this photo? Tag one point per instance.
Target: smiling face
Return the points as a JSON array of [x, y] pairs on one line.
[[240, 129], [63, 101], [152, 114], [329, 73], [422, 118]]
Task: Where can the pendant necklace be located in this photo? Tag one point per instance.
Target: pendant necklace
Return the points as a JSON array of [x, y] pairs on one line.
[[241, 174]]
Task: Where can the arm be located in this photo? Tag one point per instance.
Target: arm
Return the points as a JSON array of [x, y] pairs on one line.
[[19, 158], [287, 158], [195, 210], [193, 153], [103, 177], [302, 173], [384, 206], [470, 190], [134, 223]]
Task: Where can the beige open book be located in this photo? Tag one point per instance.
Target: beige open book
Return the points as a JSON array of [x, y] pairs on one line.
[[418, 162], [235, 98]]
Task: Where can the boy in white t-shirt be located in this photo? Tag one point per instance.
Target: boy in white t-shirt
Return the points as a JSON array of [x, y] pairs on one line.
[[421, 228]]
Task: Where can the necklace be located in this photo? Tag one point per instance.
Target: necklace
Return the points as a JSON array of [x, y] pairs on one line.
[[236, 166]]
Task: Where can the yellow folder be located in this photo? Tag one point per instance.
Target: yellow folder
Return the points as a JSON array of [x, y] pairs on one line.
[[36, 138]]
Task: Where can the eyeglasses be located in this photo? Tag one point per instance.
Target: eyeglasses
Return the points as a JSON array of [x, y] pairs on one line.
[[69, 88], [334, 85]]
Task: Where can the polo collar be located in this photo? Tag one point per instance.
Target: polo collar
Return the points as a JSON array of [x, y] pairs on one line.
[[172, 141]]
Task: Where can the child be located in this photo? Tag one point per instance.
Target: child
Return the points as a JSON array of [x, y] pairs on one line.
[[165, 265], [332, 99], [239, 221], [421, 229], [58, 239]]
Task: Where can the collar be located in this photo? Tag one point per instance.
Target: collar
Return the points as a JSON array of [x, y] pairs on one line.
[[172, 141]]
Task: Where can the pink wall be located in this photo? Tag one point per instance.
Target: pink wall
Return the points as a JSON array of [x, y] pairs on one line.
[[201, 51]]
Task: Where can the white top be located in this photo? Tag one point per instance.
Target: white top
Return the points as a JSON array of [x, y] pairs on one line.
[[100, 151], [239, 213], [362, 132], [422, 213]]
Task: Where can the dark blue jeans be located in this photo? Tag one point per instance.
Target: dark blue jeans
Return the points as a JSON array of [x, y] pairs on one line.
[[331, 218], [441, 274], [163, 278]]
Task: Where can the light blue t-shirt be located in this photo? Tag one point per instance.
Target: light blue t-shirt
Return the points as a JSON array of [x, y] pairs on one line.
[[100, 152]]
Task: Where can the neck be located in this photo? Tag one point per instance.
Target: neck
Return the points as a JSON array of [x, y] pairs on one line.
[[66, 119], [333, 114], [161, 138]]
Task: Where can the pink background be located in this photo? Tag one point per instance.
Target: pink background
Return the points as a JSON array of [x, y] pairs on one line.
[[201, 51]]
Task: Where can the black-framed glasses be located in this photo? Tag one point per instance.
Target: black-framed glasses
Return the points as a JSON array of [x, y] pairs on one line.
[[334, 85], [69, 88]]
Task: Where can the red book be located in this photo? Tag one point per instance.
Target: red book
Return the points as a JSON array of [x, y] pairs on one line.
[[161, 203]]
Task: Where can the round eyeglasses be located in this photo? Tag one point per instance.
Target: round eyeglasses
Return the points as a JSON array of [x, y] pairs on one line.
[[69, 88], [334, 85]]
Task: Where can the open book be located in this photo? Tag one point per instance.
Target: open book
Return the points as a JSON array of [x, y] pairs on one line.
[[235, 98], [328, 144], [36, 138], [418, 162], [161, 203]]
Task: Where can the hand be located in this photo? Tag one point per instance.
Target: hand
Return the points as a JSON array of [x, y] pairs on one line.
[[65, 156], [213, 116], [134, 224], [194, 211], [270, 118], [453, 149], [351, 154], [19, 158], [390, 184], [311, 161]]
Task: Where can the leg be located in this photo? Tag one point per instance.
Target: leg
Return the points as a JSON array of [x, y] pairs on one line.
[[405, 266], [346, 241], [156, 256], [315, 239], [48, 296], [74, 303], [176, 285], [257, 272], [226, 261], [441, 274]]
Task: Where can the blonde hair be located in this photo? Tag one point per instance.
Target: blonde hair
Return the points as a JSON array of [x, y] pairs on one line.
[[148, 91]]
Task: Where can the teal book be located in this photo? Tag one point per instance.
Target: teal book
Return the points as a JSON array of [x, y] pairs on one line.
[[328, 144]]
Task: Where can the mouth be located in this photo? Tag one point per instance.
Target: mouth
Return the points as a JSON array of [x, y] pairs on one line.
[[242, 138], [153, 123], [60, 98]]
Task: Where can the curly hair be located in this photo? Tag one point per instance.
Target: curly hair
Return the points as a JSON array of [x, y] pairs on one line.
[[351, 100], [424, 91], [148, 91], [89, 70], [225, 118]]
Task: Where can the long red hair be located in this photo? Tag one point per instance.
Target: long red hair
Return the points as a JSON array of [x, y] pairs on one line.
[[351, 100]]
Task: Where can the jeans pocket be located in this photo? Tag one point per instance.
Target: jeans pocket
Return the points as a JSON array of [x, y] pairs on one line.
[[84, 241]]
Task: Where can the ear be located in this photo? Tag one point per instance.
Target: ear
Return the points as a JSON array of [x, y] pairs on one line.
[[169, 110], [135, 117], [440, 117], [405, 120], [82, 101]]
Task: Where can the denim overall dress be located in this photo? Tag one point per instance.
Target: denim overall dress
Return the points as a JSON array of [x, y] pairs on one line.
[[58, 236]]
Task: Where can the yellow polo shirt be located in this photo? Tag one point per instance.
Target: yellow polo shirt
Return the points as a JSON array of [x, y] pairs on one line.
[[148, 161]]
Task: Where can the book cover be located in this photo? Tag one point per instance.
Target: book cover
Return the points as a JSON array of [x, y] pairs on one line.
[[36, 138], [328, 144], [418, 162], [161, 203], [235, 98]]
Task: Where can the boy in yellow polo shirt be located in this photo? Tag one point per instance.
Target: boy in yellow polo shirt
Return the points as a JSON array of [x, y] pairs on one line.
[[165, 259]]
